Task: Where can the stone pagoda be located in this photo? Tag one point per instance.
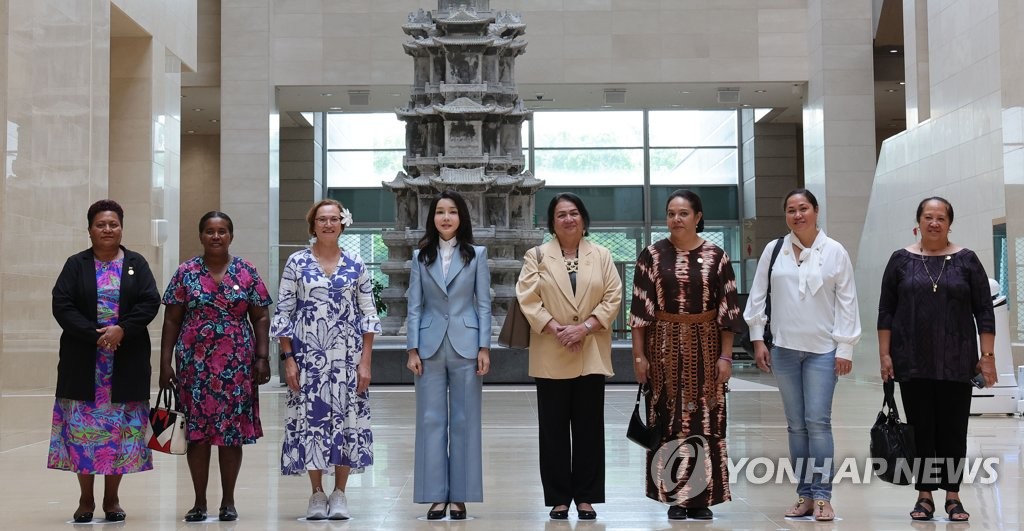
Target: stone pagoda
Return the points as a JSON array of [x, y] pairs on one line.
[[463, 131]]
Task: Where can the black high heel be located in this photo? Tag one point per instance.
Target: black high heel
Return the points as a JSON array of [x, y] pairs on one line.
[[457, 514], [439, 514]]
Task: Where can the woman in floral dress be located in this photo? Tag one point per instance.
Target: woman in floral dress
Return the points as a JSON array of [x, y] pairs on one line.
[[103, 300], [325, 321], [216, 320]]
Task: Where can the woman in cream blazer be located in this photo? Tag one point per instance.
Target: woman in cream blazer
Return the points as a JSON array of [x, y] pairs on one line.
[[570, 292]]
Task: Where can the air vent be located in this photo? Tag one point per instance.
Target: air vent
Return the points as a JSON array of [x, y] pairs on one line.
[[728, 94], [614, 96], [359, 97]]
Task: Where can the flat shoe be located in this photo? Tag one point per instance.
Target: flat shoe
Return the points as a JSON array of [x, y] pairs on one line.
[[114, 516], [559, 515], [83, 517], [586, 515], [196, 514], [228, 513], [700, 513], [676, 512], [438, 514]]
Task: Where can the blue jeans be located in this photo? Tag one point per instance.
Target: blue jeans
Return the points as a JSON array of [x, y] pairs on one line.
[[807, 381]]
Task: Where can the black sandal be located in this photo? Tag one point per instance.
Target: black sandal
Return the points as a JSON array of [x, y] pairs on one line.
[[957, 509], [920, 507]]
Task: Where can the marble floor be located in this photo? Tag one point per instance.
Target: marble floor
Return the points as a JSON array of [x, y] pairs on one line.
[[36, 498]]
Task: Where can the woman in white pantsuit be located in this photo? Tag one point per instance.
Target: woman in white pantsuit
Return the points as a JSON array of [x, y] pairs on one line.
[[449, 339]]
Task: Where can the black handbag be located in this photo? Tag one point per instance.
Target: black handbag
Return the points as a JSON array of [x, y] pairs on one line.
[[647, 436], [892, 443], [768, 297]]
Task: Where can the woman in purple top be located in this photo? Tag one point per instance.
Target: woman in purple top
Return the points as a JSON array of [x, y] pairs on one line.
[[934, 292]]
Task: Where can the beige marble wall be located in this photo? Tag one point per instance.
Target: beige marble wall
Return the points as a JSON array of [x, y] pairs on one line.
[[571, 41], [171, 22], [200, 189], [956, 154], [249, 161], [1011, 46], [56, 89]]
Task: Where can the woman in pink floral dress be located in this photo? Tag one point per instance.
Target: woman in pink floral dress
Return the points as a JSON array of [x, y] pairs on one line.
[[216, 320], [103, 300]]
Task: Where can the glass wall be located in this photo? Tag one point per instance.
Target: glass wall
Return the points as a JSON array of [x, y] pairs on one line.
[[623, 164]]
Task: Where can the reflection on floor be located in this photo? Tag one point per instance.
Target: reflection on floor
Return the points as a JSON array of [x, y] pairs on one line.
[[36, 498]]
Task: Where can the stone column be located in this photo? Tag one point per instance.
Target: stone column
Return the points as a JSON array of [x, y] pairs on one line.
[[838, 116], [248, 154]]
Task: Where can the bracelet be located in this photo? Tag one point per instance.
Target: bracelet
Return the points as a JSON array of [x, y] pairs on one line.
[[988, 354], [638, 360], [723, 358]]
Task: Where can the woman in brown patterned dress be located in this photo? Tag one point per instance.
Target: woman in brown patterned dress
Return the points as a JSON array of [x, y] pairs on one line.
[[683, 316]]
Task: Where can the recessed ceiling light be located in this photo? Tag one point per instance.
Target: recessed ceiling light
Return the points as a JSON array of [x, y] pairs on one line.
[[746, 105], [213, 121], [891, 90], [760, 91], [685, 92], [395, 94], [197, 109], [903, 82], [191, 131], [675, 105], [335, 108], [326, 93], [894, 50]]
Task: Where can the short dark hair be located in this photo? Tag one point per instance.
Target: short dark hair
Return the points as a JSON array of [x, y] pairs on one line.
[[575, 200], [695, 203], [804, 192], [949, 207], [463, 235], [105, 205], [216, 214]]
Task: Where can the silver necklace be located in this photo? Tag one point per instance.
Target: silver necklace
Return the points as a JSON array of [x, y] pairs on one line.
[[924, 260]]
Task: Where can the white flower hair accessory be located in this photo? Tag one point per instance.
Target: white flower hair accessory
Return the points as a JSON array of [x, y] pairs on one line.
[[346, 217]]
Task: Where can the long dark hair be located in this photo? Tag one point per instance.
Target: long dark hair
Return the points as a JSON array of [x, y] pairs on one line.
[[463, 235], [695, 204]]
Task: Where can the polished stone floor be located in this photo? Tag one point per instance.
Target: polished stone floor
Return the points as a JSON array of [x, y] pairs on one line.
[[36, 498]]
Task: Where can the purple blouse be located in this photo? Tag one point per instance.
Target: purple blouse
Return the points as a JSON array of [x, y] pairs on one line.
[[933, 331]]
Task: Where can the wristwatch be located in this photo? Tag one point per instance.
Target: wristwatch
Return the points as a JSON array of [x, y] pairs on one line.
[[286, 355], [588, 325]]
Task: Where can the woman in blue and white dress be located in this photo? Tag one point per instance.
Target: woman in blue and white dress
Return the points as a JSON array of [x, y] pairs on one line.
[[325, 322]]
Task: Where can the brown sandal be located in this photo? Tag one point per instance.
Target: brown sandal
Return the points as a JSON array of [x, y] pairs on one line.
[[798, 511], [820, 515]]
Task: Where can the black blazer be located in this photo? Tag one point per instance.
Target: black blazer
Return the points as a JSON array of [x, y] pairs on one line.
[[74, 307]]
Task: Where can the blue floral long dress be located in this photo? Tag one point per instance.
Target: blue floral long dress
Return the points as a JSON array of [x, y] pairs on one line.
[[100, 436], [327, 423]]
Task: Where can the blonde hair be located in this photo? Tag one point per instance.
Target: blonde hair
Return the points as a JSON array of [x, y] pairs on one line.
[[311, 215]]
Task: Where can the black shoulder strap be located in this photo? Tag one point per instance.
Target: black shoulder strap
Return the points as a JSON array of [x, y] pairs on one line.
[[771, 265]]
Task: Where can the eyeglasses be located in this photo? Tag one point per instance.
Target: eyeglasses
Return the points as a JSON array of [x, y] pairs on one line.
[[328, 221]]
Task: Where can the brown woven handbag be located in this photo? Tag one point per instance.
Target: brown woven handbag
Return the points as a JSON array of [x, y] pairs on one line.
[[515, 331]]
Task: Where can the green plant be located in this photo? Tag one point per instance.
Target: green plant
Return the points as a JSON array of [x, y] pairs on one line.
[[382, 307]]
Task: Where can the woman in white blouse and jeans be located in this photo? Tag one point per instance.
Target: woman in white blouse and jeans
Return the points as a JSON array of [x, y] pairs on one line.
[[815, 324]]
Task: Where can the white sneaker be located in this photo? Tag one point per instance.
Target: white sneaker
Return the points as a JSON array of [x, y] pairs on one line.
[[317, 506], [339, 506]]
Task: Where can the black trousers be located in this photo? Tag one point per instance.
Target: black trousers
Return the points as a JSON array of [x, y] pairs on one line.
[[939, 411], [571, 420]]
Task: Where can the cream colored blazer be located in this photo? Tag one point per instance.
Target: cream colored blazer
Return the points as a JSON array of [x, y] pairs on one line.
[[545, 293]]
